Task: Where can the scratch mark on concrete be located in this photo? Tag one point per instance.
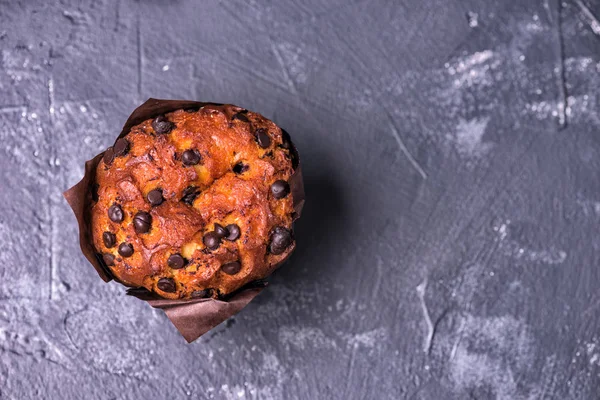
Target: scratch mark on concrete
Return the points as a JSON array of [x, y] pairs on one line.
[[234, 14], [286, 74], [86, 100], [379, 272], [117, 15], [352, 52], [403, 148], [562, 78], [548, 374], [13, 109], [117, 374], [139, 56], [72, 17], [430, 329], [33, 356], [52, 257], [66, 318], [590, 18], [257, 75], [51, 103], [350, 370], [457, 343], [67, 315], [591, 308], [548, 11]]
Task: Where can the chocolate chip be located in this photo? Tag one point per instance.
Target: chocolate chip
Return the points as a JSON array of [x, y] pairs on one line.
[[176, 261], [162, 125], [191, 157], [121, 147], [240, 116], [221, 231], [115, 213], [240, 168], [142, 222], [234, 232], [281, 238], [109, 156], [94, 190], [263, 138], [108, 259], [155, 197], [280, 189], [126, 249], [211, 240], [189, 194], [166, 285], [201, 294], [109, 239], [231, 268]]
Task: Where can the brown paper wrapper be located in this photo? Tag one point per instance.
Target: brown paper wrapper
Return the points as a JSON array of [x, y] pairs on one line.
[[195, 317]]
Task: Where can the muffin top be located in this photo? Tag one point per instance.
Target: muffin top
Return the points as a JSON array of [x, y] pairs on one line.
[[195, 203]]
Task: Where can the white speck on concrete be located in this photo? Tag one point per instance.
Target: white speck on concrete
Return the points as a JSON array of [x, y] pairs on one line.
[[490, 353], [295, 60], [468, 138], [515, 250], [590, 347], [581, 64], [368, 339], [474, 69], [303, 337], [165, 67], [589, 207], [473, 19]]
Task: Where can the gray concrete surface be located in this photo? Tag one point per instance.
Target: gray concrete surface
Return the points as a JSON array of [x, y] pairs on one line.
[[449, 246]]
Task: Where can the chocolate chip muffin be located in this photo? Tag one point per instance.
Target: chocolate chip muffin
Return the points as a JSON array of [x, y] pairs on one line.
[[195, 203]]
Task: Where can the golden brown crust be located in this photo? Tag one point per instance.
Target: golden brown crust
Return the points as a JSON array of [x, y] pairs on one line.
[[230, 184]]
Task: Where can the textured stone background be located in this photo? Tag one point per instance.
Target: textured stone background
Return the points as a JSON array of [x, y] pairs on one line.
[[449, 247]]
